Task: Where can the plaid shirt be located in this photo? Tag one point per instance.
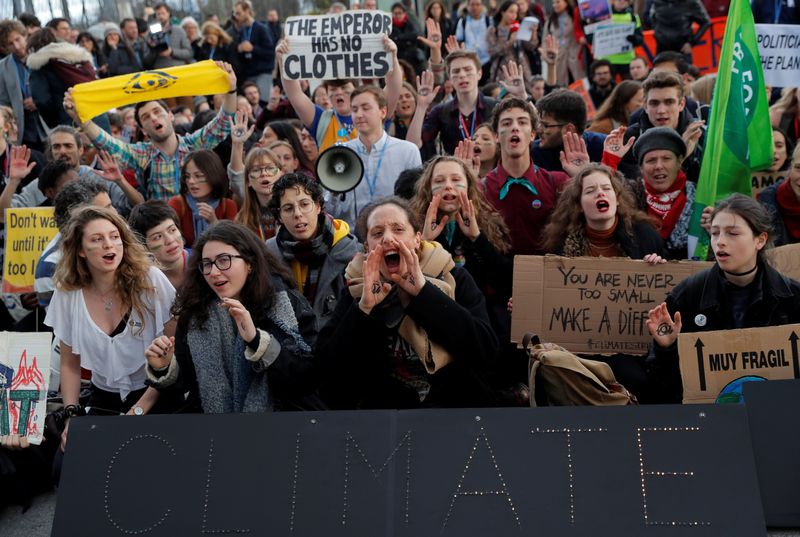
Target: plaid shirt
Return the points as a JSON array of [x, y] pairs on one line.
[[158, 174]]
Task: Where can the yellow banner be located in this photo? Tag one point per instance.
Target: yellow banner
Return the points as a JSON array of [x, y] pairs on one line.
[[28, 231], [201, 78]]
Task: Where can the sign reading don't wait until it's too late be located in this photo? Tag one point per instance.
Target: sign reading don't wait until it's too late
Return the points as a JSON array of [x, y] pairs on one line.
[[347, 45]]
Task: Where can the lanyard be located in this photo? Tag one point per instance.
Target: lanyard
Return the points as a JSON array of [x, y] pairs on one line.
[[177, 166], [373, 183], [462, 125], [247, 32], [211, 54]]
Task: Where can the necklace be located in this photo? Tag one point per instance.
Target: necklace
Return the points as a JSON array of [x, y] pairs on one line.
[[108, 303]]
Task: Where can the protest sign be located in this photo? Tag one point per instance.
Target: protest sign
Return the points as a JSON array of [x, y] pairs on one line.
[[786, 260], [24, 375], [612, 39], [654, 470], [592, 305], [526, 28], [593, 12], [346, 45], [715, 364], [779, 48], [28, 231], [581, 87], [762, 180]]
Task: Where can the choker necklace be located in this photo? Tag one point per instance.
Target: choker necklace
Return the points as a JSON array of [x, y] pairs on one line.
[[752, 270]]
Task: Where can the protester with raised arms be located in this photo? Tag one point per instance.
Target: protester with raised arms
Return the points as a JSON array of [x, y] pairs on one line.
[[741, 290]]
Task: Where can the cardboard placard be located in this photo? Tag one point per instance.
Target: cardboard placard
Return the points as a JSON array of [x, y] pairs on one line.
[[779, 48], [715, 364], [345, 45], [610, 39], [762, 180], [594, 305], [593, 12], [660, 470], [24, 376], [28, 231], [786, 260]]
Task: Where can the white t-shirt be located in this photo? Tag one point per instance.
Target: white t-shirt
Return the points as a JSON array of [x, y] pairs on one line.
[[117, 363]]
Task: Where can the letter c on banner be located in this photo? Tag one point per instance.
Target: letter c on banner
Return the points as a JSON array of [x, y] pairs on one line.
[[288, 68]]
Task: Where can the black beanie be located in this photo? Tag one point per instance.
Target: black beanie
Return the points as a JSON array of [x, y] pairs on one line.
[[659, 138]]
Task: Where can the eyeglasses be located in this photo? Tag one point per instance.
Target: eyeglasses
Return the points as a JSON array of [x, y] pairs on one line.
[[255, 173], [544, 125], [222, 262], [304, 206]]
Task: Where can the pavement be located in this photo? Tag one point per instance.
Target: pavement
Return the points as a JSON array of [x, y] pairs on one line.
[[38, 520]]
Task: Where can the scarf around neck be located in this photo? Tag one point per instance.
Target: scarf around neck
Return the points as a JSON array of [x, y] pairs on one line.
[[199, 224], [667, 206], [436, 264], [789, 207], [310, 252]]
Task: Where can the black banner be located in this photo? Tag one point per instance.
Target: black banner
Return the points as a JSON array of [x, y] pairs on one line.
[[662, 470]]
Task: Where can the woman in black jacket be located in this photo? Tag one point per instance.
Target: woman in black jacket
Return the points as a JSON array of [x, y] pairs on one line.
[[404, 34], [217, 45], [244, 336], [122, 60], [411, 329], [740, 291]]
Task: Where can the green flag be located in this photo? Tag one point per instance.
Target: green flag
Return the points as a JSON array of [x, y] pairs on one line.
[[739, 137]]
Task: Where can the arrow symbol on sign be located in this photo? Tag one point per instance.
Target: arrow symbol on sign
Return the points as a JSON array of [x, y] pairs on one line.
[[795, 360], [701, 370]]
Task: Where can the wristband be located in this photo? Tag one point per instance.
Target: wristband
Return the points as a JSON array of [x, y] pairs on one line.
[[232, 92]]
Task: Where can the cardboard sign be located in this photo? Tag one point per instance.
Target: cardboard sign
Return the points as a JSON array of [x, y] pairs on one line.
[[779, 48], [715, 364], [786, 260], [594, 305], [346, 45], [526, 28], [762, 180], [593, 12], [24, 375], [581, 87], [28, 231], [662, 470], [610, 39]]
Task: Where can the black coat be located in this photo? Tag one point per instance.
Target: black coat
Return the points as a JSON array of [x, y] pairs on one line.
[[122, 61], [774, 301], [356, 363]]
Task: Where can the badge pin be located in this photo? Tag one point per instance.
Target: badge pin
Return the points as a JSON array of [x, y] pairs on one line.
[[536, 204], [700, 319]]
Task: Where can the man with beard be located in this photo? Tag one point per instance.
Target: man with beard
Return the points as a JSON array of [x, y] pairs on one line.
[[64, 145], [522, 192], [157, 163]]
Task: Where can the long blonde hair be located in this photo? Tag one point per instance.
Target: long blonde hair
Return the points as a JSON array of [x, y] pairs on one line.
[[490, 222], [250, 214], [131, 278]]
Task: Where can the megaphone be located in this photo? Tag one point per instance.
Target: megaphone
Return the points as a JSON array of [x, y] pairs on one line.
[[339, 169]]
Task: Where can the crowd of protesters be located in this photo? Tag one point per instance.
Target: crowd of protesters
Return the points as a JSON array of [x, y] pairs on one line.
[[201, 267]]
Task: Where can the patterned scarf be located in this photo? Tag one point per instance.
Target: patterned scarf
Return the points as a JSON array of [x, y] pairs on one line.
[[667, 206]]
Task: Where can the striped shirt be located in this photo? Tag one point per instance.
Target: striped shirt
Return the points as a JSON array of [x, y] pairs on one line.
[[158, 174]]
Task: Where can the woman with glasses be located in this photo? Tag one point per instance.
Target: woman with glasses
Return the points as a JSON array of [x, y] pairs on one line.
[[244, 336], [315, 246], [203, 198], [261, 169], [109, 303]]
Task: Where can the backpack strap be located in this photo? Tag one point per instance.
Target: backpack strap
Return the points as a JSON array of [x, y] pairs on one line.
[[322, 126]]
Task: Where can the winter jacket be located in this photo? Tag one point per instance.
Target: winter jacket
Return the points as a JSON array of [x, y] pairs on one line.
[[769, 199], [181, 50], [262, 58], [120, 62], [672, 22], [408, 47]]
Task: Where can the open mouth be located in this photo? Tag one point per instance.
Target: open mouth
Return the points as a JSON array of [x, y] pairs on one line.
[[449, 197], [392, 260], [476, 150], [722, 256], [301, 228], [603, 206], [109, 258], [218, 285]]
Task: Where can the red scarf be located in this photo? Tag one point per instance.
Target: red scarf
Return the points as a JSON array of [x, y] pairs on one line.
[[789, 207], [666, 207]]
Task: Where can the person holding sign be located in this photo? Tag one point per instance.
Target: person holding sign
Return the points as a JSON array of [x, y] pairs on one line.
[[740, 291], [783, 203], [392, 341], [334, 126], [244, 335]]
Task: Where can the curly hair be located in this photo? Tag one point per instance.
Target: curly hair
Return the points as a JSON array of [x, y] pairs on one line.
[[131, 278], [568, 217], [250, 213], [490, 222], [195, 296]]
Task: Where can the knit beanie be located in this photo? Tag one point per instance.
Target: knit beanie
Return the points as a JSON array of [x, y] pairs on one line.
[[659, 138]]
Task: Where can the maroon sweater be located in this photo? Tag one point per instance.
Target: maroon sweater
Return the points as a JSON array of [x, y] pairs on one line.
[[524, 212]]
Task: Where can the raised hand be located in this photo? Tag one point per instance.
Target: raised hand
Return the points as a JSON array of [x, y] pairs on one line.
[[413, 280], [69, 106], [433, 32], [375, 290], [206, 212], [662, 327], [614, 144], [549, 52], [574, 156], [452, 44], [512, 80], [225, 66], [244, 322], [465, 152], [705, 218], [282, 49], [467, 222], [20, 165], [692, 135], [109, 167], [239, 130], [14, 442], [434, 227], [426, 92], [389, 45], [159, 353]]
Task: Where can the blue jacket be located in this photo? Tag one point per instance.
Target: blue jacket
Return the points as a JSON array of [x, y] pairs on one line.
[[774, 12]]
